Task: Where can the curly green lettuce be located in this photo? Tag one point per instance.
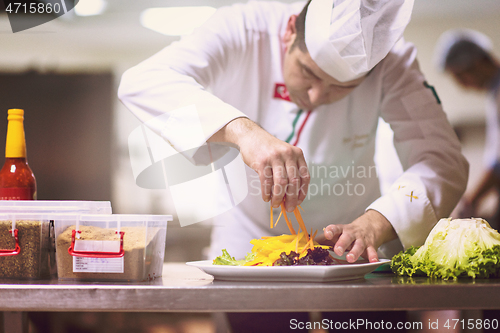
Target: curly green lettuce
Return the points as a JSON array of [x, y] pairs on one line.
[[453, 249], [226, 259]]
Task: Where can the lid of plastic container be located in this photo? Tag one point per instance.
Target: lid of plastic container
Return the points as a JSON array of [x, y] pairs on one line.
[[62, 215], [39, 206], [18, 216], [124, 217]]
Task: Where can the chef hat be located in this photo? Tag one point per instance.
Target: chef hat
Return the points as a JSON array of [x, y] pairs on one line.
[[347, 38], [451, 38]]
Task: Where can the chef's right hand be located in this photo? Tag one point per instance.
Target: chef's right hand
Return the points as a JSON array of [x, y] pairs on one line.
[[281, 167]]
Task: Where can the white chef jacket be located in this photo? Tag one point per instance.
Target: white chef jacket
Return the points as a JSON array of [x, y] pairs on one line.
[[229, 68], [492, 144]]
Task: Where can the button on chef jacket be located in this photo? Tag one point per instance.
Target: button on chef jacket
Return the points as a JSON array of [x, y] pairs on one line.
[[231, 67]]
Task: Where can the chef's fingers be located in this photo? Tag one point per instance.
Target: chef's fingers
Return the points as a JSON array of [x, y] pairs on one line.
[[293, 187], [345, 241], [358, 247], [266, 182], [332, 232], [305, 178], [280, 182], [361, 248], [371, 254]]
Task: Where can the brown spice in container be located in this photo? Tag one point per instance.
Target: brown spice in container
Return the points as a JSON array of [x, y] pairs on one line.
[[136, 262], [32, 260]]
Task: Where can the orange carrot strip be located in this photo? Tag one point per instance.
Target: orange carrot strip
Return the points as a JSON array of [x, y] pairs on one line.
[[276, 223], [301, 221], [310, 243], [305, 247], [288, 223], [297, 244], [312, 238], [302, 208], [271, 206]]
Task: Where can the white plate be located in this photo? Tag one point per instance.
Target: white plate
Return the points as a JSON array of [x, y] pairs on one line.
[[288, 273]]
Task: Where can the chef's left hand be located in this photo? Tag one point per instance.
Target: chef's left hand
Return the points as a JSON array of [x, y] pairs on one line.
[[362, 237]]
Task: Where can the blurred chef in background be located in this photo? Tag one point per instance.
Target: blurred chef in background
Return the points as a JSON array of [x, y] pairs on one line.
[[467, 56]]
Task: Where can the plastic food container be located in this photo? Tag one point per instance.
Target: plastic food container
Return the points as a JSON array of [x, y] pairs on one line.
[[24, 245], [47, 210], [116, 247]]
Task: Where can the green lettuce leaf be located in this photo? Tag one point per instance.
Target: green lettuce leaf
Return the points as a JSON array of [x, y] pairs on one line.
[[226, 259], [453, 249]]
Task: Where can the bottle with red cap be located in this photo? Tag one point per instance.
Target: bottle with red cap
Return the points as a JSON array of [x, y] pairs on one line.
[[17, 181]]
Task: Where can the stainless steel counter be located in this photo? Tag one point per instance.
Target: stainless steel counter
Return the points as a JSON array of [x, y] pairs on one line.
[[187, 289]]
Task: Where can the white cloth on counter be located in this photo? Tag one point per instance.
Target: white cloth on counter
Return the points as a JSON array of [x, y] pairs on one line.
[[229, 68]]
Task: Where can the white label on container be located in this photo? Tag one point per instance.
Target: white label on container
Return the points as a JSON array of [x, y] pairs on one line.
[[97, 265], [97, 246]]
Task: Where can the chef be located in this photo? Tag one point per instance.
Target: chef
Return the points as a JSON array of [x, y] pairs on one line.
[[467, 56], [299, 90]]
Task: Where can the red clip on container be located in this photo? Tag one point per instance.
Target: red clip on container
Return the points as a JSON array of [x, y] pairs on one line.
[[92, 253], [24, 245], [116, 247], [16, 250]]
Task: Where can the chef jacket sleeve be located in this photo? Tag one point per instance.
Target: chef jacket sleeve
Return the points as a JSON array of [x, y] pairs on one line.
[[492, 144], [170, 91], [435, 171]]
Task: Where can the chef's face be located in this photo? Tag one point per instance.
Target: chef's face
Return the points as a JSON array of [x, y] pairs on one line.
[[469, 78], [307, 84], [479, 75]]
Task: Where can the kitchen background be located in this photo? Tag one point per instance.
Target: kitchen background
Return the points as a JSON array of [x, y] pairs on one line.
[[65, 74]]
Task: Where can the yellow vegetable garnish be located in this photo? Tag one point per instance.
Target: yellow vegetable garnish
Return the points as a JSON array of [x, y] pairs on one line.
[[268, 249]]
